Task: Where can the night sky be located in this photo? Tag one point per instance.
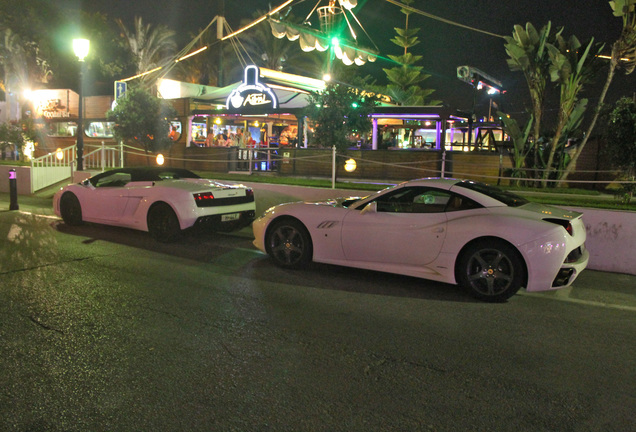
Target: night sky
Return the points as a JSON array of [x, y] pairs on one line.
[[443, 46]]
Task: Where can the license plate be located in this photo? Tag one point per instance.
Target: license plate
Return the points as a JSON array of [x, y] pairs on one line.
[[230, 217]]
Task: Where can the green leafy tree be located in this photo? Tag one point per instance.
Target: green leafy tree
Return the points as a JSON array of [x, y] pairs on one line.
[[10, 135], [42, 35], [620, 147], [527, 53], [520, 143], [571, 69], [544, 58], [623, 57], [26, 33], [405, 79], [143, 120], [339, 113]]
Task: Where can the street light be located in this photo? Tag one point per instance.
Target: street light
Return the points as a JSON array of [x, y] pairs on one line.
[[80, 47]]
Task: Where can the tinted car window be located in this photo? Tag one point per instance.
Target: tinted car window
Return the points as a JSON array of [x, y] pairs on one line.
[[508, 198], [117, 179], [414, 200]]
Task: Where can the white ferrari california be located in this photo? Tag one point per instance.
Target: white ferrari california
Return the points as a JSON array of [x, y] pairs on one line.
[[162, 201], [461, 232]]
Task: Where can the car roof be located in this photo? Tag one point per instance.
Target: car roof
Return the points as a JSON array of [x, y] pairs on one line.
[[439, 182], [477, 193]]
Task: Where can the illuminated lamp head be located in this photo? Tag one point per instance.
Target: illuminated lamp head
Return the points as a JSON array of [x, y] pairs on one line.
[[80, 48]]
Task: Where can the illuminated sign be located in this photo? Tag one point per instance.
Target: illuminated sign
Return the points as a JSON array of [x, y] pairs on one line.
[[251, 93], [120, 89], [55, 104], [52, 108]]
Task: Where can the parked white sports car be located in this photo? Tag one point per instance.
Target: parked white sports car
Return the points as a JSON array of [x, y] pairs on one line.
[[163, 201], [455, 231]]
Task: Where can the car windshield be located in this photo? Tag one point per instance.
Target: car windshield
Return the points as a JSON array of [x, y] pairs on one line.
[[508, 198], [349, 202], [174, 174]]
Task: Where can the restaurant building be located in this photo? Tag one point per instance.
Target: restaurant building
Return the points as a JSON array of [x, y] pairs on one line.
[[257, 125]]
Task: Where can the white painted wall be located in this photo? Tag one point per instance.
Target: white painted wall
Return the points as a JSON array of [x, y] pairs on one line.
[[611, 239], [23, 179]]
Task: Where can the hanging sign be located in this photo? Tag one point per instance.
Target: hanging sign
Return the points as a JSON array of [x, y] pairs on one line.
[[120, 89], [251, 93]]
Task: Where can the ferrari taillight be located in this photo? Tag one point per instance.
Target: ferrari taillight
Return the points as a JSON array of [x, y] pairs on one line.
[[563, 222], [205, 196]]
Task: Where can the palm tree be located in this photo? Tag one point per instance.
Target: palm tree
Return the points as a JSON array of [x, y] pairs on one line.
[[623, 56], [571, 70], [203, 68], [150, 47], [527, 52]]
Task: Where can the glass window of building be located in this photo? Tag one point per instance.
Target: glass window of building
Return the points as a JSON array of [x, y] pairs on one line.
[[100, 129], [61, 129], [175, 130]]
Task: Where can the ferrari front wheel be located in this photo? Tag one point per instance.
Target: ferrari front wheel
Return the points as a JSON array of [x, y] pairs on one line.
[[493, 271], [289, 244], [70, 209], [163, 223]]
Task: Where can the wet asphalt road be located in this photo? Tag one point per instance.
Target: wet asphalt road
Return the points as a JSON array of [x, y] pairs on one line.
[[104, 329]]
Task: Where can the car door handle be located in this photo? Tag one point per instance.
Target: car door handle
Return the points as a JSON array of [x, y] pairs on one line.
[[438, 230]]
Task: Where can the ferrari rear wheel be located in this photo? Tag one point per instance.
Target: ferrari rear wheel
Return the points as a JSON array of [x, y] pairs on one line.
[[493, 271], [70, 209], [163, 223], [289, 244]]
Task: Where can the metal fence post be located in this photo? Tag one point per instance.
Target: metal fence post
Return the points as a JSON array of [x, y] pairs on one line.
[[333, 167], [103, 156], [443, 164], [13, 190]]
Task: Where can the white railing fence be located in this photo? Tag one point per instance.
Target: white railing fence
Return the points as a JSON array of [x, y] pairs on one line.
[[54, 167]]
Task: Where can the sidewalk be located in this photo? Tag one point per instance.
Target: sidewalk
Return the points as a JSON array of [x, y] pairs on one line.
[[37, 203]]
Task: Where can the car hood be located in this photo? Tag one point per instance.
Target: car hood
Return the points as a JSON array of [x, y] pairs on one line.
[[334, 202]]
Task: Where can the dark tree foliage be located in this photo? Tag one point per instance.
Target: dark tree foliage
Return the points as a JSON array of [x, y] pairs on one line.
[[621, 136], [143, 120], [339, 114], [10, 134]]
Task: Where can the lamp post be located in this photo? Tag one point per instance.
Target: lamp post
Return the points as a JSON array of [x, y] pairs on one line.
[[80, 47]]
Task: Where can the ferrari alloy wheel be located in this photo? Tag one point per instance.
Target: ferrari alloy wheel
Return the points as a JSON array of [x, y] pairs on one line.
[[70, 209], [163, 223], [493, 271], [289, 243]]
